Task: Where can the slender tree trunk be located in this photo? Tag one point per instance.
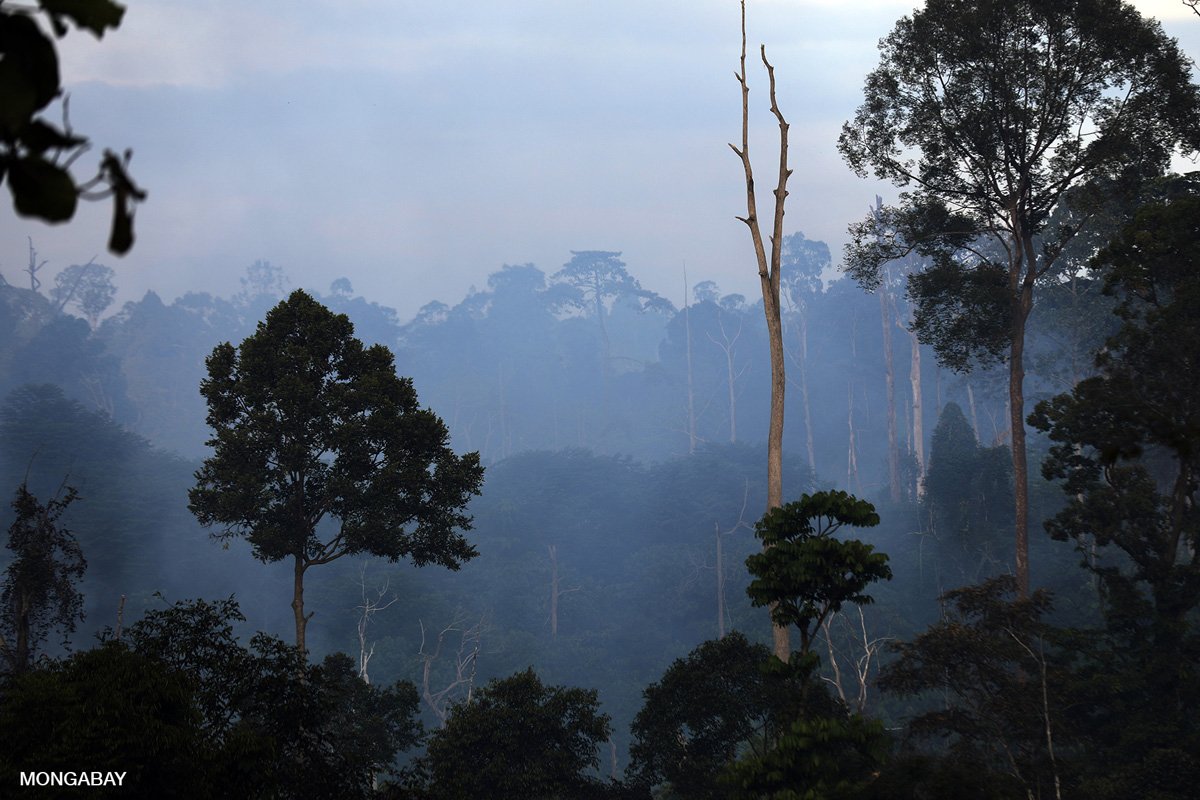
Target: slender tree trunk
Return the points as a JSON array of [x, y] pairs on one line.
[[852, 482], [554, 593], [918, 428], [885, 312], [720, 584], [691, 394], [769, 276], [1016, 411], [808, 430], [298, 603], [974, 418]]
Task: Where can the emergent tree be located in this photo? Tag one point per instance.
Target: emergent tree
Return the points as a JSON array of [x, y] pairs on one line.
[[991, 115], [320, 450], [769, 275], [39, 591]]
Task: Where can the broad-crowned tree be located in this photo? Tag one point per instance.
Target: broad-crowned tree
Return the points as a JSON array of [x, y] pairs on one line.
[[805, 574], [709, 707], [320, 450], [988, 114], [998, 704], [1127, 450], [519, 739]]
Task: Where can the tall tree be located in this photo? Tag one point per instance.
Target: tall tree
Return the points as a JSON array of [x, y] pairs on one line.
[[989, 114], [320, 450], [769, 273], [89, 287], [1126, 449], [40, 591], [803, 263]]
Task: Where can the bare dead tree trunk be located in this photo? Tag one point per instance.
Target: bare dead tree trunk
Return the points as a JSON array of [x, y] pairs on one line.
[[769, 278], [808, 429], [918, 427], [720, 584], [731, 376], [556, 590], [371, 605], [35, 283], [691, 394], [974, 418], [859, 652], [120, 620], [852, 481], [465, 663]]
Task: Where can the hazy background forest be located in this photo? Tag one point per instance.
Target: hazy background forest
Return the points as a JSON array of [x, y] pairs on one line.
[[618, 401]]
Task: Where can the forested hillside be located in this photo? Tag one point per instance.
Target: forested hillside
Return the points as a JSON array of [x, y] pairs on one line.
[[289, 542]]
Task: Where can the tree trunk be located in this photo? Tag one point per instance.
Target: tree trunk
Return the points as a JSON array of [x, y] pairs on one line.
[[808, 431], [1016, 416], [298, 603], [769, 276], [554, 593], [852, 482], [918, 428], [885, 312], [691, 395], [720, 584]]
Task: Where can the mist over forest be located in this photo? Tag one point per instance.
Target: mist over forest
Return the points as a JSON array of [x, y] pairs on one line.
[[514, 544]]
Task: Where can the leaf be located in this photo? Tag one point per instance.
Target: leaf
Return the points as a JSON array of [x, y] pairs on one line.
[[40, 136], [29, 77], [41, 189], [96, 16]]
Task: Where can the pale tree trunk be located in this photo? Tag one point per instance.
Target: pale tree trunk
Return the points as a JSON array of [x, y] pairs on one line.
[[808, 431], [918, 426], [974, 418], [466, 661], [298, 603], [769, 276], [731, 376], [852, 482], [691, 394], [885, 312], [556, 590], [720, 584]]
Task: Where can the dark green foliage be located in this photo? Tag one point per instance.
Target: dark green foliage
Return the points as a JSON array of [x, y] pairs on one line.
[[968, 499], [1126, 450], [819, 750], [187, 711], [991, 678], [312, 432], [806, 572], [708, 708], [273, 724], [518, 739], [815, 758], [107, 709], [964, 311], [31, 149], [40, 585], [309, 424]]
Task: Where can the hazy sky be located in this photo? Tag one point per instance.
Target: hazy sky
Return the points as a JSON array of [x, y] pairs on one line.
[[416, 147]]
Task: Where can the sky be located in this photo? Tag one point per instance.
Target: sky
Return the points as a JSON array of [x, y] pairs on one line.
[[417, 147]]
